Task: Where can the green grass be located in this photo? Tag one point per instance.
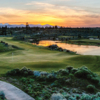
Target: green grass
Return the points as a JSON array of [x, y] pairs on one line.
[[66, 36], [40, 58], [85, 42], [77, 36], [3, 48]]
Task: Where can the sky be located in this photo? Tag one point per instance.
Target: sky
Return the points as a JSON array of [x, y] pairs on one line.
[[68, 13]]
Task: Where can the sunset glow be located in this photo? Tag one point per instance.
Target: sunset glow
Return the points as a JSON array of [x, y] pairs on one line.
[[71, 13]]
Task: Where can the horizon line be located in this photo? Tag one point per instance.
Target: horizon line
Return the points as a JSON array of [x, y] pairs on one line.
[[49, 24]]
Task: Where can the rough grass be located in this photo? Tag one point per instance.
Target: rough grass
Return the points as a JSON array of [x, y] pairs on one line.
[[2, 48], [85, 42], [40, 58]]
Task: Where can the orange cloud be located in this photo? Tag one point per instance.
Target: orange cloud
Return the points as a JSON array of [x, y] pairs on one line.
[[46, 13]]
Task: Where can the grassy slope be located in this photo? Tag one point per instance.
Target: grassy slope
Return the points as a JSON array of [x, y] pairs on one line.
[[38, 58]]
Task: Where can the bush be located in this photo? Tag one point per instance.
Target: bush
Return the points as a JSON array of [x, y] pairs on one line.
[[57, 96], [24, 72], [71, 75], [78, 97], [94, 80], [71, 98], [74, 70], [82, 73], [43, 73], [63, 72], [2, 95], [13, 72], [50, 78], [86, 97], [98, 94], [69, 68], [91, 88], [30, 72], [36, 73], [58, 81]]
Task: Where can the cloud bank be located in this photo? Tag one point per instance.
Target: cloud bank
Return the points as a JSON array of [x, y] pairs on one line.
[[42, 12]]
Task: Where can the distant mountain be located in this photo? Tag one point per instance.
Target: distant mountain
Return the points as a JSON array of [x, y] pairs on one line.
[[22, 25]]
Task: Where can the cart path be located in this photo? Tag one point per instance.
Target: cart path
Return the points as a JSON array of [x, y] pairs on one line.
[[13, 93]]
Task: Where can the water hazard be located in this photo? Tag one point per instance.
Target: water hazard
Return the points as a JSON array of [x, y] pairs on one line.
[[79, 49]]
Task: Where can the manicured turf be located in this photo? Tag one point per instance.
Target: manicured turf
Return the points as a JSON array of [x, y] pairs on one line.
[[40, 58]]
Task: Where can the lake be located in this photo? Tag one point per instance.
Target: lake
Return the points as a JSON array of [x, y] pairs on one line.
[[80, 49]]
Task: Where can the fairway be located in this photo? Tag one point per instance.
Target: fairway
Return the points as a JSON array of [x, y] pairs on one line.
[[40, 58]]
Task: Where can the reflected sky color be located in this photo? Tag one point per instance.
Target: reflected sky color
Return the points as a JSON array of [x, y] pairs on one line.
[[80, 49], [71, 13]]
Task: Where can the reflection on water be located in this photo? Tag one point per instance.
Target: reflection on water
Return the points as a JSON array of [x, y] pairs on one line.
[[80, 49]]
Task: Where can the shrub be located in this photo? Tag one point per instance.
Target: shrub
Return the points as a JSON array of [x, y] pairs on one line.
[[71, 98], [94, 80], [56, 83], [69, 68], [50, 78], [89, 76], [94, 97], [63, 72], [77, 97], [57, 96], [23, 79], [91, 88], [71, 75], [86, 97], [24, 72], [47, 96], [30, 72], [13, 72], [74, 70], [43, 73], [39, 98], [84, 67], [82, 73], [36, 73], [2, 95], [67, 96], [68, 81], [98, 98], [98, 94]]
